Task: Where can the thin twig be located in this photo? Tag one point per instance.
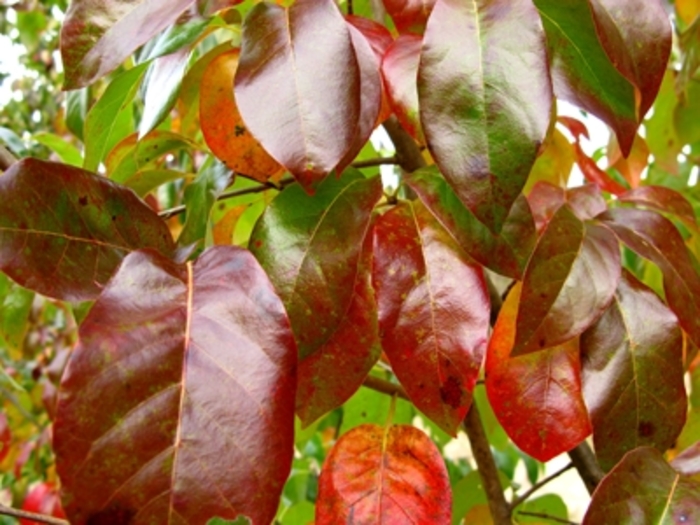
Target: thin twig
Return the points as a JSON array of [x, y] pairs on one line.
[[375, 162], [587, 466], [537, 486], [7, 159], [23, 514], [546, 517], [385, 387], [351, 11]]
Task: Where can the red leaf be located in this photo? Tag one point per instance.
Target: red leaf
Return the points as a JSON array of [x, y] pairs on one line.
[[656, 238], [42, 499], [409, 15], [5, 436], [594, 174], [376, 475], [536, 397], [545, 199], [433, 312], [661, 199], [98, 36], [182, 389], [484, 127], [575, 126], [63, 230], [569, 282], [399, 70], [298, 88], [624, 355], [643, 488]]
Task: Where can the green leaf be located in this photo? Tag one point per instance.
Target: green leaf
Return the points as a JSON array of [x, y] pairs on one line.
[[68, 153], [13, 141], [370, 406], [76, 109], [15, 307]]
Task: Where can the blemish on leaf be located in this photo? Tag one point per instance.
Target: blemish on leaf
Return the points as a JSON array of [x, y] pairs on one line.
[[451, 392], [83, 200], [239, 130], [646, 429]]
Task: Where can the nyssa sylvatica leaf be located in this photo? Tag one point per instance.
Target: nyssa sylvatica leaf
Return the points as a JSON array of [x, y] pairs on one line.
[[536, 397], [178, 403], [545, 199], [409, 16], [635, 342], [64, 230], [663, 199], [485, 98], [384, 475], [434, 312]]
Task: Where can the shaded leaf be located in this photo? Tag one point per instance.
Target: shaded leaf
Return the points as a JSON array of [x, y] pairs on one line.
[[15, 307], [310, 247], [182, 388], [433, 312], [377, 475], [484, 127], [506, 253], [643, 488], [584, 201], [536, 397], [661, 199], [98, 36], [63, 230], [636, 342], [569, 282], [370, 406], [554, 164], [306, 121], [409, 16]]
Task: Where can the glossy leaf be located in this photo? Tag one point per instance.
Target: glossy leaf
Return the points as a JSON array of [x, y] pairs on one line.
[[536, 397], [433, 312], [688, 461], [595, 175], [305, 120], [63, 230], [409, 16], [222, 125], [484, 126], [637, 340], [97, 35], [310, 247], [632, 167], [377, 475], [584, 201], [569, 282], [656, 238], [643, 488], [661, 199], [182, 387], [506, 253]]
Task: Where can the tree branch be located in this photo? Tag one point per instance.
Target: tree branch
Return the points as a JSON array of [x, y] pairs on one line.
[[375, 162], [7, 159], [23, 514], [546, 517], [537, 486], [408, 154], [385, 387], [587, 466]]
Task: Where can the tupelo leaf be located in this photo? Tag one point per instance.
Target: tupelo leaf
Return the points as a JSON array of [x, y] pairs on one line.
[[409, 16], [545, 199], [182, 388], [661, 199], [63, 230]]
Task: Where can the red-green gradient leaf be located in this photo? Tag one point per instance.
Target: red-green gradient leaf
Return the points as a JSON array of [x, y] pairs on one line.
[[625, 354], [297, 87], [433, 312], [409, 16], [507, 253], [485, 98], [222, 125], [595, 174], [656, 238], [643, 488], [661, 199], [536, 397], [98, 35], [399, 70], [545, 199], [377, 475], [64, 230], [569, 282], [333, 373], [182, 390], [310, 247]]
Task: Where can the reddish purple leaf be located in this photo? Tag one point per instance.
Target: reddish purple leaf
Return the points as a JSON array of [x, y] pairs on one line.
[[643, 488], [688, 461], [656, 238], [433, 312], [298, 88], [377, 475], [536, 397], [485, 98], [661, 199], [98, 35], [569, 282], [399, 70], [64, 230], [409, 16], [182, 389], [545, 199], [377, 35], [636, 342]]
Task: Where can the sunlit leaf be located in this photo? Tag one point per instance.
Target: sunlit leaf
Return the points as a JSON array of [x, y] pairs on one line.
[[632, 167], [182, 388], [584, 201], [67, 152], [554, 164], [661, 199], [15, 307], [377, 475], [688, 461], [661, 135], [595, 175]]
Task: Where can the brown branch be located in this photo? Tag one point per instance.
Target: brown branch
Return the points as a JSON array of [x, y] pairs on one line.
[[587, 466], [375, 162], [385, 387], [408, 153], [7, 159], [546, 517], [23, 514], [537, 486]]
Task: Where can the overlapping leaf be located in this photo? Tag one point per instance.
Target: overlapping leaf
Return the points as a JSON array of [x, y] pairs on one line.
[[656, 238], [661, 199], [485, 98], [643, 488], [506, 253], [299, 89], [624, 354], [536, 397], [63, 230], [433, 312], [584, 201], [98, 35], [376, 475], [409, 16], [182, 389], [310, 247]]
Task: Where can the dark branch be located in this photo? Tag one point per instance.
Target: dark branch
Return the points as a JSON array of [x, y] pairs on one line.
[[375, 162], [408, 153], [587, 466], [23, 514], [7, 159], [546, 517], [537, 486]]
